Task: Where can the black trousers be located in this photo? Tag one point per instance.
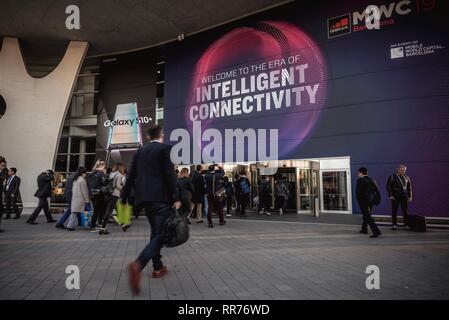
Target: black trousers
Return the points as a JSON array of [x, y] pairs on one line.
[[99, 203], [136, 209], [368, 219], [110, 206], [42, 205], [265, 202], [11, 203], [403, 202], [243, 201], [229, 202]]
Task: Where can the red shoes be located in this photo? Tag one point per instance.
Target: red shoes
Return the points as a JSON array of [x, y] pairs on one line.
[[134, 276], [160, 273]]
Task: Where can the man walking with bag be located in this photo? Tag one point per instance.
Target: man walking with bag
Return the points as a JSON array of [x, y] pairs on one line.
[[367, 195], [153, 178], [44, 181]]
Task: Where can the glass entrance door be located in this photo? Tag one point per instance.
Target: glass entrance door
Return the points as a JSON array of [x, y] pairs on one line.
[[335, 191], [308, 186]]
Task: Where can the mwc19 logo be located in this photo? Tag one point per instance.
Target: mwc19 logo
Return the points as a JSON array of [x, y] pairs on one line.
[[375, 17]]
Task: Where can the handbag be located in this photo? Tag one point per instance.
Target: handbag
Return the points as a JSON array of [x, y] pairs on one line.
[[176, 230], [124, 212], [86, 215], [220, 194]]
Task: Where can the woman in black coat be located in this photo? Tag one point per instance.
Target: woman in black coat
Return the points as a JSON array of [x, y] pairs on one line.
[[185, 190]]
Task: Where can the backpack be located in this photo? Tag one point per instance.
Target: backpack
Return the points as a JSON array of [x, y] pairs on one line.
[[176, 230], [373, 194], [244, 186]]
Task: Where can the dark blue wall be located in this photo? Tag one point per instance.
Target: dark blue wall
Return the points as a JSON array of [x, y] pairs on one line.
[[379, 111]]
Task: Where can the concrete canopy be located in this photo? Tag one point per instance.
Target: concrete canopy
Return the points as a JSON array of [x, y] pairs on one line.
[[116, 26]]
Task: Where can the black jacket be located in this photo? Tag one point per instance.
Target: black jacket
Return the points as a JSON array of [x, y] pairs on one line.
[[395, 186], [3, 178], [218, 174], [198, 184], [13, 186], [44, 185], [367, 192], [185, 188], [68, 188], [152, 175], [98, 182], [265, 188]]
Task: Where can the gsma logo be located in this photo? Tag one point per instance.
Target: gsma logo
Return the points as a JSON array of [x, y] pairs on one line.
[[339, 25]]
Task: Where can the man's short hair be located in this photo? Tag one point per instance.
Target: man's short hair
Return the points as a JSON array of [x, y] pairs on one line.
[[13, 170], [155, 132], [402, 166], [363, 170], [199, 167], [212, 167]]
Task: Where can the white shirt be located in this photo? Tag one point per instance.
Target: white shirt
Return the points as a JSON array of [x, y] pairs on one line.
[[9, 181]]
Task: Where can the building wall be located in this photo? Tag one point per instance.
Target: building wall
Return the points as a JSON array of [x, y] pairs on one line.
[[377, 109], [35, 112]]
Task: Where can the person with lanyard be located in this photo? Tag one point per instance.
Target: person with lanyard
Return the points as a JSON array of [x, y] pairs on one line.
[[399, 187]]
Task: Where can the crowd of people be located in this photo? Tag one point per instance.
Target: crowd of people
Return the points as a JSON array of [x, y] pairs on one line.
[[157, 187]]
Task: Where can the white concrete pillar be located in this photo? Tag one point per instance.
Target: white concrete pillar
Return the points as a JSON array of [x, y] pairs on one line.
[[35, 111]]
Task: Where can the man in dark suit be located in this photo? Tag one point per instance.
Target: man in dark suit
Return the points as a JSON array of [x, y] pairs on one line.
[[12, 194], [3, 178], [213, 184], [153, 178], [43, 192], [363, 191]]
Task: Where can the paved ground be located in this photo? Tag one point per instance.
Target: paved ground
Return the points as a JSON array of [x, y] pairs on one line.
[[245, 259]]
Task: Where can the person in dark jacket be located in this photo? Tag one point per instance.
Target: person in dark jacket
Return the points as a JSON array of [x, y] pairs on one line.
[[185, 191], [12, 193], [399, 188], [229, 188], [3, 178], [265, 191], [362, 190], [213, 184], [282, 193], [198, 192], [98, 185], [44, 181], [153, 178], [68, 200], [242, 192]]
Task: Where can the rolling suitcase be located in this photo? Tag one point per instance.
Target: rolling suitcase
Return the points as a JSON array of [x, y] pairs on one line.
[[416, 223]]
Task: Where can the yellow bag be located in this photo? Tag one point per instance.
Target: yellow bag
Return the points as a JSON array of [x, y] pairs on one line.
[[124, 212]]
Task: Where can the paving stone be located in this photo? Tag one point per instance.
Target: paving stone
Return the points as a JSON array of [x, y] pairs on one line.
[[293, 258]]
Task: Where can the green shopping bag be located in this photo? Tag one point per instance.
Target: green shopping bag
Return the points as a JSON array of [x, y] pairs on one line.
[[124, 212]]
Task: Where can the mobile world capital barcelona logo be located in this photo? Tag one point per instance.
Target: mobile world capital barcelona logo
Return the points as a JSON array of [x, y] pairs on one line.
[[265, 82]]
